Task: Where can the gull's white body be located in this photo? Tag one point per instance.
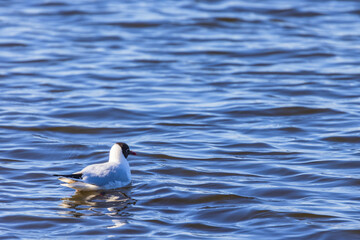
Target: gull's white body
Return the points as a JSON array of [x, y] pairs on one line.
[[113, 174]]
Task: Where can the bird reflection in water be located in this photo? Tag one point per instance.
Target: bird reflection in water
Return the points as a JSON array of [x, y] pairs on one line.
[[102, 202]]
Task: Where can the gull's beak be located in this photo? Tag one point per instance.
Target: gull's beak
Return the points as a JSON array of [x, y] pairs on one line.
[[132, 153]]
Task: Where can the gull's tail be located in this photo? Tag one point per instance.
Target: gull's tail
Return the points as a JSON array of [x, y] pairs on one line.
[[72, 181], [77, 185], [74, 175]]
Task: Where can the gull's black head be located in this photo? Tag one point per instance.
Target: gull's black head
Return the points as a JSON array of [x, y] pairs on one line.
[[125, 149]]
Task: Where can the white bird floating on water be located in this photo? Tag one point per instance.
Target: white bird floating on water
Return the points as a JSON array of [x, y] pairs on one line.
[[110, 175]]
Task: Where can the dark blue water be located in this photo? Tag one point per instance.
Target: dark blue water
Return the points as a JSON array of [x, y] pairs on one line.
[[244, 115]]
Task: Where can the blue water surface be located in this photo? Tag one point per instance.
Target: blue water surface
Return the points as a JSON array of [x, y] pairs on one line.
[[244, 115]]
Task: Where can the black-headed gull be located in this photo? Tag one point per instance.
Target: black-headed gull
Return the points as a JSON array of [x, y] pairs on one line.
[[113, 174]]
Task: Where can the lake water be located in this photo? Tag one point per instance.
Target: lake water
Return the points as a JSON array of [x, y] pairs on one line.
[[244, 115]]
